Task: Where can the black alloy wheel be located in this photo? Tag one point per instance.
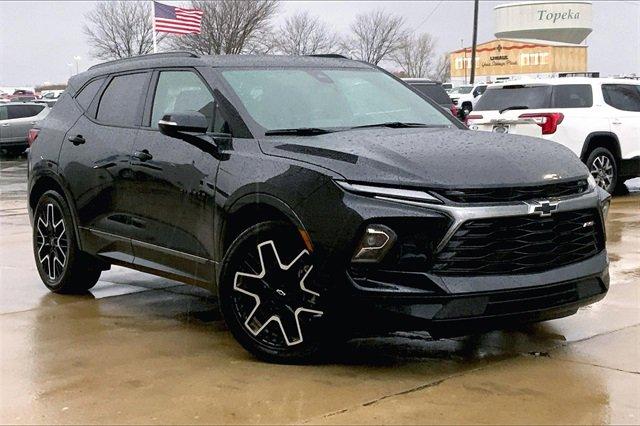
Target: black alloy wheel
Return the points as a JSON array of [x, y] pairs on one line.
[[62, 267], [269, 296]]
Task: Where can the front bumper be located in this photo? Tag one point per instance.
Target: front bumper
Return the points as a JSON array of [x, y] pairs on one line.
[[387, 298], [473, 304]]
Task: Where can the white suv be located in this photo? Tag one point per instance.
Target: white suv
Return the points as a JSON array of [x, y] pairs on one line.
[[597, 118], [466, 96]]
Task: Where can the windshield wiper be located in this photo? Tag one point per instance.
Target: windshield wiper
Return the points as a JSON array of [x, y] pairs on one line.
[[302, 131], [513, 107], [394, 125]]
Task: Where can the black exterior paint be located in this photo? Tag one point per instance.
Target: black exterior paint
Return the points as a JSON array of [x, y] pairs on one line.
[[169, 214]]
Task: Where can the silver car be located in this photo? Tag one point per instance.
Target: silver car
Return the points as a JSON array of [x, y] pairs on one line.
[[16, 118]]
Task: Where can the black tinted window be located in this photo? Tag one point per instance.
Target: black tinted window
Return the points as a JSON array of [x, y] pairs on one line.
[[22, 111], [622, 96], [119, 104], [181, 91], [498, 98], [435, 92], [88, 92], [572, 96]]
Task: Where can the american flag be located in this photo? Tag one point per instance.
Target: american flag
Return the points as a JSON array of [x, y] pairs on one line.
[[177, 20]]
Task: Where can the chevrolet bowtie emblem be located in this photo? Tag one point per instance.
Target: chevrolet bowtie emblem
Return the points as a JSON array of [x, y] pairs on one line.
[[542, 208]]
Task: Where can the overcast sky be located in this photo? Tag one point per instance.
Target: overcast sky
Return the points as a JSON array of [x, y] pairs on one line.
[[39, 39]]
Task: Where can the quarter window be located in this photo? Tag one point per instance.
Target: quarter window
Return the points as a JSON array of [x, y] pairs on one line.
[[572, 96], [120, 102], [3, 113], [625, 97], [181, 91], [88, 92]]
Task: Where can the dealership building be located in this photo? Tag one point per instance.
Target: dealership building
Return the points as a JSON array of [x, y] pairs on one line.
[[533, 39]]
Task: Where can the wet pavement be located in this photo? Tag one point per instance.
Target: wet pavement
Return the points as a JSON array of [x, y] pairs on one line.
[[141, 349]]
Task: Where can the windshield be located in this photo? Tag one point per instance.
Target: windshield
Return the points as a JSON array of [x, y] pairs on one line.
[[290, 98], [499, 98], [461, 90]]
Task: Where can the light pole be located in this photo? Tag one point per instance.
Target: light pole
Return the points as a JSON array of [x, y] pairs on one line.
[[464, 61], [77, 59], [475, 41], [70, 65]]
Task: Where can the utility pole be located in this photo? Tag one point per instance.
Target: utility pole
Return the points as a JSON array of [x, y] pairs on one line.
[[464, 61], [475, 41]]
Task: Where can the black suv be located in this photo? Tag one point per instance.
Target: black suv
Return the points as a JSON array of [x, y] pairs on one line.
[[318, 196]]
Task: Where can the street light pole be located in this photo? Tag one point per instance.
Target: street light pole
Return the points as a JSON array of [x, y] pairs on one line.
[[77, 59], [475, 41], [464, 60]]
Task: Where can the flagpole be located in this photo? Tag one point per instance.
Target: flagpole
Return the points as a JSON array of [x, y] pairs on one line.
[[153, 20]]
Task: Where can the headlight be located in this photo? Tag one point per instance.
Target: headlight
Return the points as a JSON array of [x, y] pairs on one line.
[[592, 182], [409, 196]]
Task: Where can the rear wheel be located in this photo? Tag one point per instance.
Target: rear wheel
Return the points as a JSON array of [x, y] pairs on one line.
[[269, 295], [604, 169], [62, 267]]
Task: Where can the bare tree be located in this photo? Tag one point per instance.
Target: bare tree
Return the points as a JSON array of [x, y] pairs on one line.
[[442, 69], [416, 56], [303, 34], [375, 35], [230, 27], [120, 29]]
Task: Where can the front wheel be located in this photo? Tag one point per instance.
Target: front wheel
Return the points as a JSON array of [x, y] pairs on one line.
[[62, 267], [269, 294], [604, 169]]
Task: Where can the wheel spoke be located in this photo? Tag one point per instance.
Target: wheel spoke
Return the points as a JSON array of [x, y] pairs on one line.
[[279, 292], [51, 241]]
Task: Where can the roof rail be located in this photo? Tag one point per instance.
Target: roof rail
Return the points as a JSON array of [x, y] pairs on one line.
[[174, 54], [328, 55], [594, 74]]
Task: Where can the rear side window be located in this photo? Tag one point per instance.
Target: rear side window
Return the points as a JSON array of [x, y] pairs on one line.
[[625, 97], [22, 111], [3, 113], [87, 93], [572, 96], [434, 92], [531, 97], [181, 91], [120, 102]]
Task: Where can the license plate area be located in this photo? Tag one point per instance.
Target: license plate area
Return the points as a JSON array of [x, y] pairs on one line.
[[501, 128]]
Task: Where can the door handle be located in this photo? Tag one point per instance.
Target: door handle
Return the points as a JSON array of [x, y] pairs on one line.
[[6, 124], [616, 121], [77, 140], [142, 155]]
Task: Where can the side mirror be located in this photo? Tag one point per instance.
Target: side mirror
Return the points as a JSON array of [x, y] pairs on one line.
[[181, 124]]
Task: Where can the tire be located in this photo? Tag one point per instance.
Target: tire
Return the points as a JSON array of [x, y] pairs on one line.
[[604, 168], [269, 296], [62, 267]]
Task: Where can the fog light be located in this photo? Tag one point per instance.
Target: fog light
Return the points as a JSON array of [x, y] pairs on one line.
[[375, 243]]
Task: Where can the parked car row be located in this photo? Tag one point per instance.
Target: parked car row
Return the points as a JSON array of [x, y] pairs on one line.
[[48, 97]]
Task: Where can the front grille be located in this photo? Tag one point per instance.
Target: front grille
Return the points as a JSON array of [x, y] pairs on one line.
[[519, 193], [521, 244]]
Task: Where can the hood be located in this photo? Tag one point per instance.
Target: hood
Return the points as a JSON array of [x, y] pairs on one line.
[[436, 158]]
